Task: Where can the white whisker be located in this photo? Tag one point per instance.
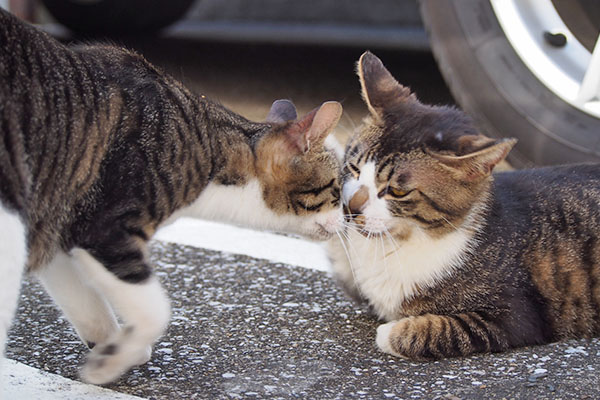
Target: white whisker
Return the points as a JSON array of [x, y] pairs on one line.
[[395, 244], [449, 223], [342, 235]]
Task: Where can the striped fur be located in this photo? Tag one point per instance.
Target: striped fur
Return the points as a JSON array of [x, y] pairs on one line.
[[98, 148], [93, 135], [526, 267]]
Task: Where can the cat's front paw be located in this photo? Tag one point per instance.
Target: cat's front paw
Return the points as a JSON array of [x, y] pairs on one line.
[[106, 363], [418, 338], [384, 336]]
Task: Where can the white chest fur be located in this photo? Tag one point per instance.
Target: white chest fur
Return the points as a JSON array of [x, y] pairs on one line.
[[388, 273]]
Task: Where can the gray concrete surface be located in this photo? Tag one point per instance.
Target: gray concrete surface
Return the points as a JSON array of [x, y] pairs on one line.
[[247, 328]]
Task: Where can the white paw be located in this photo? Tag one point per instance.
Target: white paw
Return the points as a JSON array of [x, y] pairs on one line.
[[145, 356], [383, 337], [106, 363], [100, 370], [101, 332]]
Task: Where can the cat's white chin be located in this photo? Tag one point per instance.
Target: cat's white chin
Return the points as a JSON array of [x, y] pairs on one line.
[[320, 233], [321, 227]]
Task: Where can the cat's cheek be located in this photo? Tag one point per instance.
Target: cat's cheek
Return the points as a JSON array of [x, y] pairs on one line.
[[323, 226], [332, 221]]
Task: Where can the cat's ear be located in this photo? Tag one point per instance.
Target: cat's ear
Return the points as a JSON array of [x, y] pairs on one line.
[[311, 131], [379, 89], [282, 111], [477, 164]]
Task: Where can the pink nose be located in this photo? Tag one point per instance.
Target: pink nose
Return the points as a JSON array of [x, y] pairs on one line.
[[359, 200]]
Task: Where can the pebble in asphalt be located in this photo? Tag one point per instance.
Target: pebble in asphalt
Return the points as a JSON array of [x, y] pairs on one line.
[[248, 328]]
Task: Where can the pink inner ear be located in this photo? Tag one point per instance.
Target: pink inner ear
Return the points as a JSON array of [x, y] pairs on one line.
[[314, 127], [297, 132], [326, 119]]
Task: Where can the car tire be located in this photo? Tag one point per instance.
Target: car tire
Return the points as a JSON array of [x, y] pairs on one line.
[[492, 83], [116, 17]]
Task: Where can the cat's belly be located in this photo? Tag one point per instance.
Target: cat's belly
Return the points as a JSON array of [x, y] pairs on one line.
[[388, 272]]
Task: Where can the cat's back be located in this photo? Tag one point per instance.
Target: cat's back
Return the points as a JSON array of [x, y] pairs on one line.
[[546, 204], [541, 190], [548, 221], [59, 113], [550, 178], [26, 54]]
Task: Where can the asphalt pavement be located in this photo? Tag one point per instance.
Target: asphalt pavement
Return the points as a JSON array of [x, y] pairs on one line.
[[250, 328]]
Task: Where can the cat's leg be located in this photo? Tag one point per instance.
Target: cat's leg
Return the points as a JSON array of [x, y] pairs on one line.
[[13, 257], [82, 304], [145, 312], [432, 336]]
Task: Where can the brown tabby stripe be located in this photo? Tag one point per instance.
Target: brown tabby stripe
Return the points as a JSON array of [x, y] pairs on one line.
[[98, 147], [86, 114], [530, 271], [432, 336]]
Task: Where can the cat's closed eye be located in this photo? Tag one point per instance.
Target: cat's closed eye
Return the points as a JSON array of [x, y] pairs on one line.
[[312, 199]]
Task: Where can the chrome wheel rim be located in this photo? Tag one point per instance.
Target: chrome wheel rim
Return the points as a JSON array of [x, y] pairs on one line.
[[564, 66]]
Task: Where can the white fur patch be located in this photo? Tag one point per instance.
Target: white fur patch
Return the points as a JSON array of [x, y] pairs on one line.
[[13, 257], [332, 144], [244, 205], [378, 217], [385, 270], [375, 209], [350, 187], [383, 337], [82, 304], [144, 309]]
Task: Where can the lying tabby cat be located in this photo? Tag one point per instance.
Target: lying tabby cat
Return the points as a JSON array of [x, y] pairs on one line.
[[98, 148], [456, 259]]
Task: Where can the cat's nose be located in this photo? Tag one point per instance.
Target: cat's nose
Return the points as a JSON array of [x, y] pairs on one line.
[[359, 200]]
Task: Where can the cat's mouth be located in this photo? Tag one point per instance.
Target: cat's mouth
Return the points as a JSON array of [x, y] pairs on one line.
[[359, 224], [369, 234]]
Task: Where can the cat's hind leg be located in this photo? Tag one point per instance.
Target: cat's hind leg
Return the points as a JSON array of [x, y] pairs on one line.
[[431, 336], [13, 257], [145, 312], [82, 304]]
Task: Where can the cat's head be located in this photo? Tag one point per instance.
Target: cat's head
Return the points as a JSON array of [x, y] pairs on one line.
[[413, 166], [299, 176]]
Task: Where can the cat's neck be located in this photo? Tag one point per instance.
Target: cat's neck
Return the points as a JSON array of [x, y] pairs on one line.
[[220, 146], [230, 137], [390, 270]]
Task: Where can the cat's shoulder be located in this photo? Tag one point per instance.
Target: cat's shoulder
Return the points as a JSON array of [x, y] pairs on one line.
[[109, 51], [128, 68]]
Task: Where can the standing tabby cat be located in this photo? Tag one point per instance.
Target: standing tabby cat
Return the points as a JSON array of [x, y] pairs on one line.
[[455, 259], [98, 148]]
